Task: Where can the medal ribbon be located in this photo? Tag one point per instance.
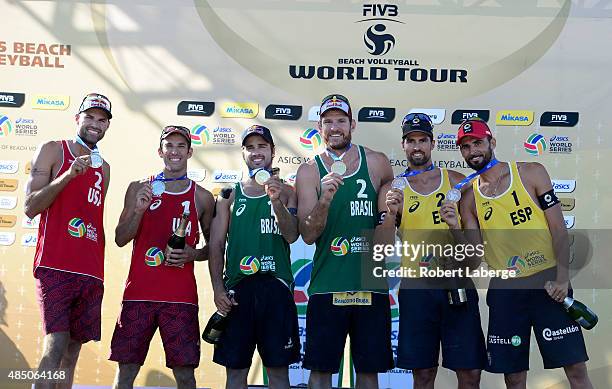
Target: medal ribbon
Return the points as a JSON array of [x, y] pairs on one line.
[[469, 178], [252, 172], [80, 141], [338, 158], [161, 177], [412, 173]]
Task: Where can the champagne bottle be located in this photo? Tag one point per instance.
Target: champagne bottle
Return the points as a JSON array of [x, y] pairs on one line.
[[580, 313], [457, 296], [216, 324], [456, 293], [177, 240]]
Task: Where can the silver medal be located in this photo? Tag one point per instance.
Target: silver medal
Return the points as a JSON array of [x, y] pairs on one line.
[[262, 176], [338, 167], [95, 160], [453, 195], [158, 187], [398, 183]]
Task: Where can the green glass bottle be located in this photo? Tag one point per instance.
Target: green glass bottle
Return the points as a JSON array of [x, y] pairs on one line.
[[580, 313], [216, 324]]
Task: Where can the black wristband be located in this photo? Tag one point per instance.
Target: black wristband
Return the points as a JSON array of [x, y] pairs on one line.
[[548, 199], [292, 211]]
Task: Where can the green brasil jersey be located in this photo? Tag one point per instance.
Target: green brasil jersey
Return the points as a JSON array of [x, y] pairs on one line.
[[255, 243], [343, 258]]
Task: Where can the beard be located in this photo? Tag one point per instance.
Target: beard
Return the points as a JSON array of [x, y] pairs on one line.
[[88, 138], [485, 160], [266, 163], [419, 161], [340, 145]]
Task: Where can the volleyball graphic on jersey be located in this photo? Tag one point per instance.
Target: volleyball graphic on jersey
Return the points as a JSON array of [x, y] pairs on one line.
[[517, 264], [249, 265], [535, 144], [340, 246], [76, 227], [199, 135], [310, 139], [154, 256]]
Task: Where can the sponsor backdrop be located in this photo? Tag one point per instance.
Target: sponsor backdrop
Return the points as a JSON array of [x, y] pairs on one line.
[[535, 70]]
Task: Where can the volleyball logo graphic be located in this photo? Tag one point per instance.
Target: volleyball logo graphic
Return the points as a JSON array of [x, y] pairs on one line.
[[249, 265], [76, 227], [517, 264], [377, 42], [535, 144], [310, 139], [427, 261], [154, 256], [340, 246], [301, 270], [199, 135], [5, 125]]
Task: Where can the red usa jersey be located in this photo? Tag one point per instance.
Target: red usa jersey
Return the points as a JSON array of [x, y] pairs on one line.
[[150, 279], [71, 230]]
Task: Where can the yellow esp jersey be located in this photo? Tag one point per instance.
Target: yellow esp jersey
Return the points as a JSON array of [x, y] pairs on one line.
[[514, 229], [423, 228]]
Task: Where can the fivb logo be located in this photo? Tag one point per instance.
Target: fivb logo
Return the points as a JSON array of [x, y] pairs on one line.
[[559, 119], [283, 112], [195, 108], [376, 39], [9, 99], [376, 114], [564, 186], [460, 115]]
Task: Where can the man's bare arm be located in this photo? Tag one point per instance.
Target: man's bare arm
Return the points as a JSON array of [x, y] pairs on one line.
[[467, 231], [538, 178], [137, 199], [206, 207], [312, 209], [41, 190], [216, 261], [287, 223]]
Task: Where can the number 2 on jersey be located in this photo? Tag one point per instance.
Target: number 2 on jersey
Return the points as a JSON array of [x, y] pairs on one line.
[[95, 194]]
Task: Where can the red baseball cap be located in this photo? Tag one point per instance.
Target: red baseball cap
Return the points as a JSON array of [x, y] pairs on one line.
[[475, 128]]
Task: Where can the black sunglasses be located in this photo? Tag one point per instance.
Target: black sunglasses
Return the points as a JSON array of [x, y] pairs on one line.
[[411, 116]]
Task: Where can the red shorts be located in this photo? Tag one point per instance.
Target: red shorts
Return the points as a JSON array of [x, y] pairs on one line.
[[178, 327], [70, 302]]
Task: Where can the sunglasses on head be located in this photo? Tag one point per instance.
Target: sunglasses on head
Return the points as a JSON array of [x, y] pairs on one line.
[[337, 97], [411, 116], [255, 127], [182, 129]]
